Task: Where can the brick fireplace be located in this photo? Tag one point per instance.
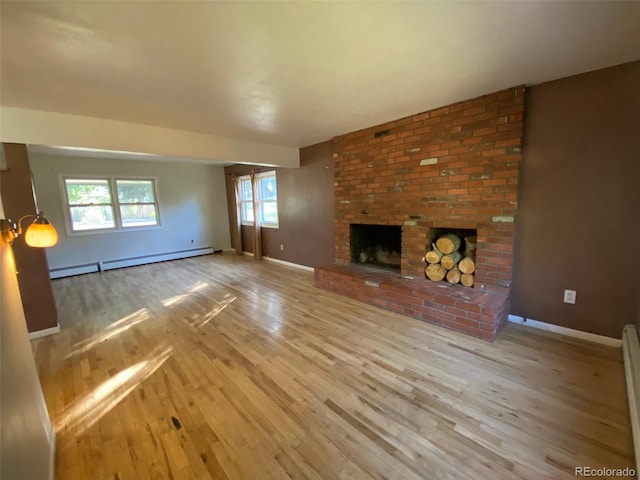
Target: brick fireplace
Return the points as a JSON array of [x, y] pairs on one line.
[[455, 167]]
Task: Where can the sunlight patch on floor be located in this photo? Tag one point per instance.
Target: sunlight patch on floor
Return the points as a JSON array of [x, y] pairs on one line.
[[167, 302], [224, 303], [197, 286], [111, 331], [86, 411]]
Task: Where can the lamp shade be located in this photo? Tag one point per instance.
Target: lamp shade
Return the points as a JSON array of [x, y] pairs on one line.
[[41, 234]]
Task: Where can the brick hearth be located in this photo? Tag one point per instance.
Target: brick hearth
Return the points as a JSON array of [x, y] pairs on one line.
[[475, 311], [453, 167]]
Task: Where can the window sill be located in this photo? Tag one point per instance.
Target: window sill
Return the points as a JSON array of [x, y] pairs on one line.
[[264, 225], [101, 231]]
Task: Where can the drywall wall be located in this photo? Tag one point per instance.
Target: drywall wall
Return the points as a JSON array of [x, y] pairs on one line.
[[35, 285], [305, 210], [192, 204], [578, 226], [23, 125], [27, 439]]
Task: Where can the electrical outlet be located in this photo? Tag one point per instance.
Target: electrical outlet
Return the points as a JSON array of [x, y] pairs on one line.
[[570, 296], [281, 247]]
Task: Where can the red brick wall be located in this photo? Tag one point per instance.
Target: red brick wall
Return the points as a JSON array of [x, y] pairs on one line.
[[471, 156]]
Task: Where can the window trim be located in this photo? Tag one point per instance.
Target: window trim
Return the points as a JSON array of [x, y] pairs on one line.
[[115, 204], [241, 202]]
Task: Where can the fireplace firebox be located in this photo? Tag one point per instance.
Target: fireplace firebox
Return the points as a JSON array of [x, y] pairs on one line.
[[376, 245]]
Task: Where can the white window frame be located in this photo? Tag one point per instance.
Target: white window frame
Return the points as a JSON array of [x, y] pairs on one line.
[[115, 204], [261, 202], [258, 201], [241, 201], [119, 204]]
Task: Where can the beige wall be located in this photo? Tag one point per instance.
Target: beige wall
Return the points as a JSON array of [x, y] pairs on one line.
[[27, 439]]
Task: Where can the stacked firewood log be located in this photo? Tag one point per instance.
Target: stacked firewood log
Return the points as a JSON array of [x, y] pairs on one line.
[[449, 260]]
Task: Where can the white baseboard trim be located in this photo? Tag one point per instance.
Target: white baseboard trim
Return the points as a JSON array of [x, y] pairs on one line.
[[75, 270], [229, 250], [631, 355], [282, 262], [570, 332], [289, 264], [44, 332], [52, 455]]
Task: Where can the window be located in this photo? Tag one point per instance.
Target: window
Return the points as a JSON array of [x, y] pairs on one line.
[[137, 201], [245, 200], [266, 199], [92, 205]]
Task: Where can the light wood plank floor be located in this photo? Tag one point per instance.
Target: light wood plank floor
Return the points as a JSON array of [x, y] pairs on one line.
[[223, 367]]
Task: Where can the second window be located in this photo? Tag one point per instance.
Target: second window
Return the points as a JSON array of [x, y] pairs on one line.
[[266, 198]]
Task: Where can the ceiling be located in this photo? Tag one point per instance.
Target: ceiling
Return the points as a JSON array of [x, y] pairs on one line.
[[294, 73]]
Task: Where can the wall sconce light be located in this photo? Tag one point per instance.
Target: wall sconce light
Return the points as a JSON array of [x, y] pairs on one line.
[[39, 234]]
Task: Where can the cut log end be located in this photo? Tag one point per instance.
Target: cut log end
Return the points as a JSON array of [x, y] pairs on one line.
[[435, 272], [434, 255], [467, 265], [467, 279], [448, 243], [453, 276], [451, 260]]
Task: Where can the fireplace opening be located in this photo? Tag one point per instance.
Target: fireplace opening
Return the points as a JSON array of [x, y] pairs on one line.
[[376, 245]]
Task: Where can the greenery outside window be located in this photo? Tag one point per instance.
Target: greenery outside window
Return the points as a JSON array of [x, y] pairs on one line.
[[137, 202], [91, 204]]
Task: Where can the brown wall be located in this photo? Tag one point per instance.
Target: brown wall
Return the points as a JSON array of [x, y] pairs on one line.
[[638, 316], [305, 209], [579, 223], [35, 284]]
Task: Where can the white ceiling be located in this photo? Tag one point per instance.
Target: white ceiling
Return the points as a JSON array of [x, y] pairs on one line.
[[294, 73]]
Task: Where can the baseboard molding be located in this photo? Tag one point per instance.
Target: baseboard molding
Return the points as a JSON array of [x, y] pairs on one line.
[[75, 270], [591, 337], [44, 332], [127, 262], [631, 355], [52, 455], [289, 264], [282, 262]]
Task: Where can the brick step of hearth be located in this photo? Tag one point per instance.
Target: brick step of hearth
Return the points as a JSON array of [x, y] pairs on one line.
[[475, 311]]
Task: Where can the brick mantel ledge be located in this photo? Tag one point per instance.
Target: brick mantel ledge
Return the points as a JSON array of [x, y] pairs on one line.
[[475, 311]]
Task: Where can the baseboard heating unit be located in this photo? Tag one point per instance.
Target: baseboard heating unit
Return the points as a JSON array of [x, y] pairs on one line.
[[631, 354], [127, 262]]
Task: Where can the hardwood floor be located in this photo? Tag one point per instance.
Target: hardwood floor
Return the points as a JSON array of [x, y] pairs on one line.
[[222, 367]]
